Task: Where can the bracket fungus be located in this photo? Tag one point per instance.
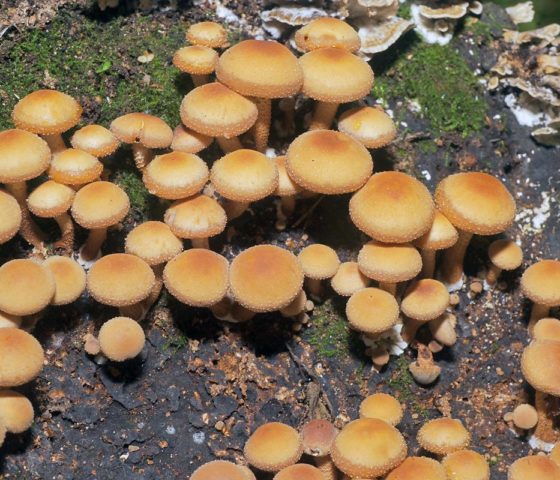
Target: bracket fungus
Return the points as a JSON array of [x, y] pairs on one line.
[[121, 338]]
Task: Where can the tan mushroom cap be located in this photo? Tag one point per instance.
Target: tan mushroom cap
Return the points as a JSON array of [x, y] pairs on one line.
[[7, 320], [318, 436], [541, 282], [265, 278], [555, 454], [372, 310], [27, 287], [525, 416], [389, 262], [442, 234], [196, 60], [121, 338], [196, 217], [466, 465], [95, 140], [368, 448], [327, 32], [74, 167], [443, 435], [383, 407], [534, 467], [23, 156], [50, 199], [219, 469], [334, 75], [418, 468], [16, 411], [475, 202], [348, 279], [299, 471], [425, 299], [273, 446], [175, 175], [153, 242], [150, 131], [46, 112], [100, 205], [392, 207], [208, 34], [69, 278], [197, 277], [319, 261], [10, 220], [109, 280], [189, 141], [286, 186], [215, 110], [22, 357], [547, 329], [260, 68], [370, 126], [330, 162], [244, 176], [505, 254], [539, 364]]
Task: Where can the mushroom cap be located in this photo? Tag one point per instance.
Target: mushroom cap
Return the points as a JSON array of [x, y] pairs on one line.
[[334, 75], [539, 364], [389, 262], [327, 32], [153, 242], [150, 131], [443, 435], [525, 416], [215, 110], [330, 162], [16, 411], [286, 186], [418, 468], [244, 176], [319, 261], [475, 202], [189, 141], [196, 217], [121, 338], [196, 60], [22, 357], [108, 280], [69, 278], [425, 300], [370, 126], [219, 470], [442, 234], [265, 278], [368, 447], [260, 68], [197, 277], [383, 407], [100, 205], [534, 466], [372, 310], [348, 279], [505, 254], [208, 34], [74, 167], [555, 454], [318, 436], [23, 156], [175, 175], [27, 287], [299, 471], [541, 282], [392, 207], [7, 320], [50, 199], [10, 220], [547, 329], [46, 112], [273, 446], [95, 140], [466, 465]]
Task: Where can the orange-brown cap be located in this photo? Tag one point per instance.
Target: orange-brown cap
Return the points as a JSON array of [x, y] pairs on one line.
[[418, 468], [555, 454], [50, 199], [286, 186], [541, 282], [547, 329], [153, 242], [209, 34], [425, 300], [273, 446], [348, 279], [196, 60], [330, 162], [150, 131], [392, 207], [197, 277], [69, 278], [299, 471], [219, 470], [22, 357], [534, 467], [318, 436], [442, 234], [466, 465], [260, 68], [443, 435], [7, 320], [46, 112], [382, 406], [505, 254], [372, 310], [368, 447], [100, 205], [74, 167], [334, 75], [265, 278], [244, 176], [27, 287], [319, 261], [23, 156], [475, 202], [189, 141], [121, 338], [525, 416], [389, 262], [95, 140], [370, 126], [175, 175], [10, 220], [108, 280], [215, 110], [327, 32], [539, 364], [16, 411]]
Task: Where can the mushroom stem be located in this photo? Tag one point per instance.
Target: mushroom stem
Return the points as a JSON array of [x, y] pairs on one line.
[[314, 287], [199, 80], [537, 312], [493, 274], [29, 230], [288, 123], [55, 142], [288, 205], [452, 266], [323, 115], [389, 287], [261, 128], [235, 209], [93, 243], [156, 289], [410, 329], [327, 467], [428, 263], [66, 233], [142, 155], [229, 144], [200, 243], [380, 357], [424, 370], [545, 426], [443, 330]]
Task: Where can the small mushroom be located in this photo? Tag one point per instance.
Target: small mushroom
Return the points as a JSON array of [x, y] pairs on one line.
[[370, 126], [207, 34], [525, 416], [95, 140], [382, 406], [327, 32], [423, 369], [16, 411], [547, 329], [296, 307], [442, 436], [504, 255], [10, 221], [348, 279], [466, 465], [299, 471], [197, 60], [541, 283], [443, 329], [319, 262], [534, 466], [417, 468], [121, 338], [69, 278], [318, 436], [220, 469], [74, 167], [188, 141], [22, 357]]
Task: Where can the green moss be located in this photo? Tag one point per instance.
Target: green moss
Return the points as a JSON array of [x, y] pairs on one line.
[[404, 11], [401, 383], [132, 184]]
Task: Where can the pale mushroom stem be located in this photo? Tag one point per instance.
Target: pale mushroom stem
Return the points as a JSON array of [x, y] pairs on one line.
[[452, 266], [537, 312], [493, 274], [142, 155], [66, 233], [235, 209], [410, 329], [55, 142], [389, 287], [288, 205], [156, 289], [428, 263], [323, 116], [380, 357], [200, 243], [199, 80], [261, 128], [93, 243], [29, 230], [545, 430], [314, 287], [327, 467], [229, 144]]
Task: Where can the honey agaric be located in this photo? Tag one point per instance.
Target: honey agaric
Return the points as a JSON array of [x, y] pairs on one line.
[[10, 221], [300, 471], [423, 369], [95, 140], [466, 465], [188, 141], [370, 126], [16, 411], [296, 306], [318, 437], [121, 338], [327, 32], [504, 255], [443, 435], [220, 469], [383, 407], [319, 262], [22, 357], [525, 416], [69, 278], [207, 34], [198, 61], [418, 468], [535, 466], [74, 167], [372, 311], [541, 283], [547, 329], [348, 279]]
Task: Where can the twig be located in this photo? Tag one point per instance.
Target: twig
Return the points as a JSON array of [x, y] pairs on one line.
[[309, 212]]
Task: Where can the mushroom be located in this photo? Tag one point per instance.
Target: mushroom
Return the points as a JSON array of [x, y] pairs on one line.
[[442, 436], [547, 329], [370, 126], [199, 61], [383, 407], [525, 416], [555, 454], [22, 357], [300, 471], [327, 32], [298, 305], [74, 167], [348, 279], [121, 338], [504, 255], [207, 34], [95, 140], [318, 436], [287, 190], [466, 465], [69, 278], [10, 221], [443, 329], [16, 411], [534, 466], [541, 283], [318, 262], [220, 469], [7, 320], [188, 141], [423, 369], [418, 468]]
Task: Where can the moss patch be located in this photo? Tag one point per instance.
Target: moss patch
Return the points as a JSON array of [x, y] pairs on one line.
[[401, 383]]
